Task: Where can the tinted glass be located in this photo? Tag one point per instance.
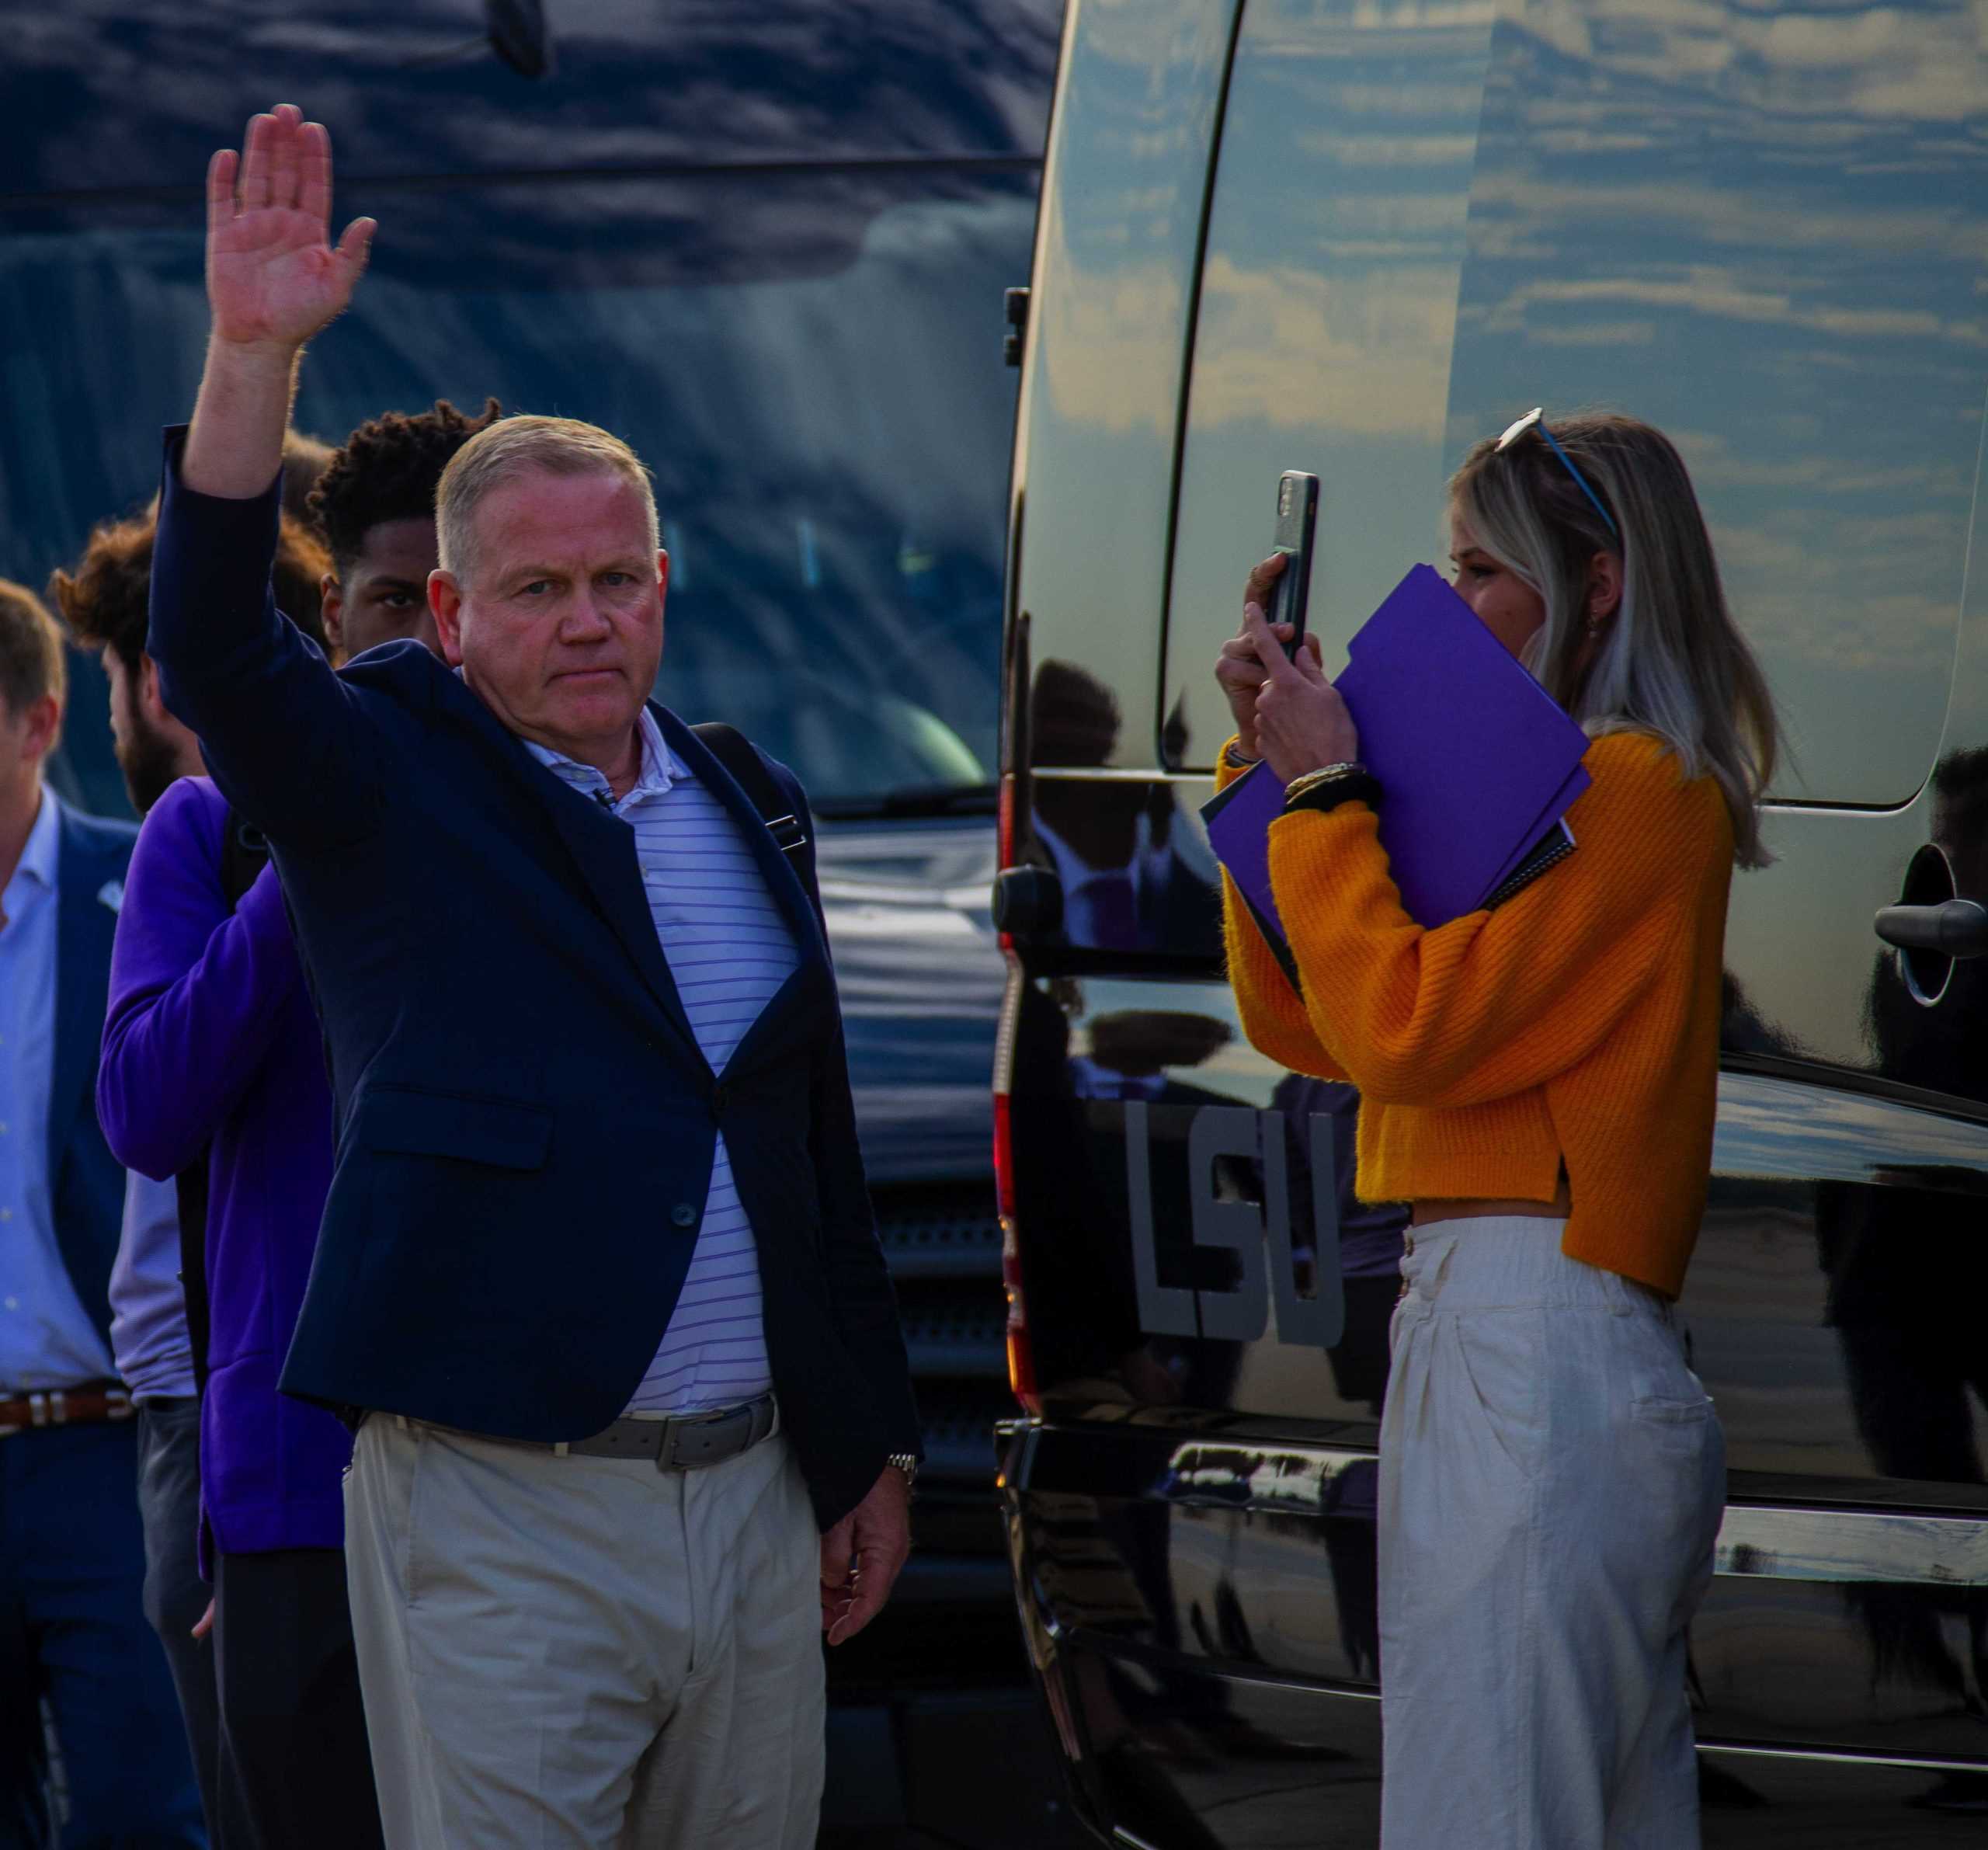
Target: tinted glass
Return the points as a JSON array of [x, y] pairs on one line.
[[1108, 338], [810, 363], [1762, 231], [1328, 311]]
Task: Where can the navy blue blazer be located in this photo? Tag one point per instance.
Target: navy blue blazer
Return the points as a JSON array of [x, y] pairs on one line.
[[525, 1122], [86, 1182]]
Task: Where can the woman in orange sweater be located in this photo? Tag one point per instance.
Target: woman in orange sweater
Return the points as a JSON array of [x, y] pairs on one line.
[[1538, 1080]]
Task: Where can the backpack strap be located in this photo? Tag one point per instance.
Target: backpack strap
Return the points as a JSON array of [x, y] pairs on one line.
[[244, 853], [737, 753]]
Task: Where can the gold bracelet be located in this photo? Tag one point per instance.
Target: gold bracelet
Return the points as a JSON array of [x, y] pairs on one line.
[[1325, 773]]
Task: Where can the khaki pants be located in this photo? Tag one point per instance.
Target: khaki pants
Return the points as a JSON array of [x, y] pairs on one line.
[[583, 1653], [1552, 1478]]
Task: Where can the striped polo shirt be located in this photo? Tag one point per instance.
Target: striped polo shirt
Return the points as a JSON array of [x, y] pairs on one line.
[[729, 949]]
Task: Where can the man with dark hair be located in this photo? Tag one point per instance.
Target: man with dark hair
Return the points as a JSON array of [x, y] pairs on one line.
[[72, 1558], [213, 1059], [375, 503]]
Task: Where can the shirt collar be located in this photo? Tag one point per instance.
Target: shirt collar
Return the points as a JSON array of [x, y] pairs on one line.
[[44, 842], [660, 768]]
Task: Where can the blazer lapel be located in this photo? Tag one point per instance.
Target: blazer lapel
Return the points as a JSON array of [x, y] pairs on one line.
[[86, 925], [601, 850]]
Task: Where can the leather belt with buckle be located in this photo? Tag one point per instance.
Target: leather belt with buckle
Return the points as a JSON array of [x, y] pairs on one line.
[[92, 1404], [683, 1442], [679, 1442]]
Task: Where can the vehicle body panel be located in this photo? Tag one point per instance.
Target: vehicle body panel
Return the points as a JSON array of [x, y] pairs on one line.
[[1419, 225]]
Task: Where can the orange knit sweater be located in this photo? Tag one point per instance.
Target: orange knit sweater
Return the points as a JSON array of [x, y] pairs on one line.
[[1575, 1025]]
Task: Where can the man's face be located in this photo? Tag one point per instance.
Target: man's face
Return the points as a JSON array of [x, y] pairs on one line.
[[382, 595], [154, 748], [560, 629]]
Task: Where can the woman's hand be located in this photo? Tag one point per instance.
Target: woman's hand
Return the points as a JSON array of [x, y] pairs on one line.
[[1301, 724], [1239, 668]]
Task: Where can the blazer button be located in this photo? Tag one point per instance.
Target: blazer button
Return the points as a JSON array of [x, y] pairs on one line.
[[683, 1215]]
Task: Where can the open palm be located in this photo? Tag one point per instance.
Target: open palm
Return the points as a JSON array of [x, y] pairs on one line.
[[273, 277]]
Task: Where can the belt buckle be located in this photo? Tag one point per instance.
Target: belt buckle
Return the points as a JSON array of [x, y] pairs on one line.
[[667, 1456]]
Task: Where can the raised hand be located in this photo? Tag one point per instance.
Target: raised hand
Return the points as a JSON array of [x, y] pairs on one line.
[[273, 277]]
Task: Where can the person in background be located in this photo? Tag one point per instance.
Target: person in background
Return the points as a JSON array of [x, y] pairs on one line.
[[103, 605], [375, 505], [212, 1044], [1538, 1079], [72, 1550]]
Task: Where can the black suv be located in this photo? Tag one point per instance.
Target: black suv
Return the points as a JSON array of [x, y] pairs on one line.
[[1351, 238]]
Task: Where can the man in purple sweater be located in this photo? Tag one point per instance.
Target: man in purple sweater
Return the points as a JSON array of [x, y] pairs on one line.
[[103, 603], [212, 1048]]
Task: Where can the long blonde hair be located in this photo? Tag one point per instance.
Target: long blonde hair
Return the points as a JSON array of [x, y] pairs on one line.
[[1673, 662]]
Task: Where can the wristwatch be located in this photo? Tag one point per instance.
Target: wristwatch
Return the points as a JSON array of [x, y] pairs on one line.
[[907, 1463]]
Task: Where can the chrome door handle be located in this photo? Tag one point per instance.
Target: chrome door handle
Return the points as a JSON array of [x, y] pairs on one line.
[[1954, 928]]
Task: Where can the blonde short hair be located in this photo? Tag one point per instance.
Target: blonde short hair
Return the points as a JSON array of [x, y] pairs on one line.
[[513, 447]]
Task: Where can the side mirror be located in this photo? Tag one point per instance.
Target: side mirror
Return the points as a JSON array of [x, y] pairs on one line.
[[1027, 901]]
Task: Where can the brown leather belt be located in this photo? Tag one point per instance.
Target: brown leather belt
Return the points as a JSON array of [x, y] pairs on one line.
[[92, 1404]]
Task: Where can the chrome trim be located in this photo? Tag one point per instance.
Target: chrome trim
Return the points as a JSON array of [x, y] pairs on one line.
[[1757, 1541], [1120, 1835], [1108, 774], [1840, 1756], [1766, 1542]]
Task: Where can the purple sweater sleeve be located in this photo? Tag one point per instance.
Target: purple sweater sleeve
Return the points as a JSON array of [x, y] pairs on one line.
[[195, 990]]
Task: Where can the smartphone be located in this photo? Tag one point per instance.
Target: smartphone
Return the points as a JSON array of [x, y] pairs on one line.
[[1296, 519]]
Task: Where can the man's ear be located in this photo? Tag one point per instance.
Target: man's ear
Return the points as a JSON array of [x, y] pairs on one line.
[[662, 572], [445, 604], [331, 613], [1604, 586], [43, 727], [151, 702]]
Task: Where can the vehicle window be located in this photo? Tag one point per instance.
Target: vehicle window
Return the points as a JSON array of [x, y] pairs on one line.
[[1766, 233], [1327, 312], [811, 365], [1763, 230]]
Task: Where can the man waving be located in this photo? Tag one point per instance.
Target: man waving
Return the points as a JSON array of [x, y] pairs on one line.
[[598, 1277]]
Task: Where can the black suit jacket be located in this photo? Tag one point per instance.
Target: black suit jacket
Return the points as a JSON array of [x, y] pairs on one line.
[[526, 1124]]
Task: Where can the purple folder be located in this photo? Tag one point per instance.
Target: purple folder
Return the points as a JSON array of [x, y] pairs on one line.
[[1477, 762]]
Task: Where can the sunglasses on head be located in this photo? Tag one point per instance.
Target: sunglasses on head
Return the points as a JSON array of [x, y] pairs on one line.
[[1535, 420]]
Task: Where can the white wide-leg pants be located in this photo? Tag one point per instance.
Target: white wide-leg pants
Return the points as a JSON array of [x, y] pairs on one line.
[[1552, 1478]]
